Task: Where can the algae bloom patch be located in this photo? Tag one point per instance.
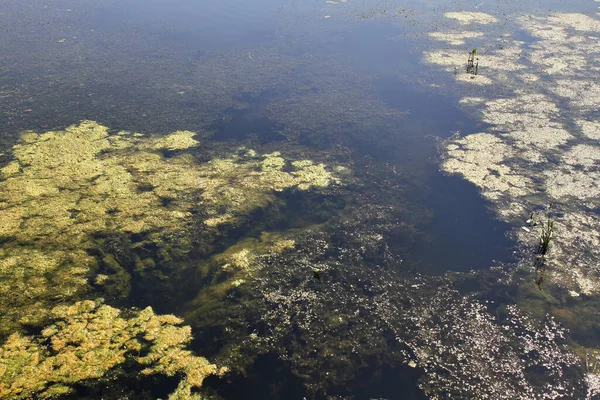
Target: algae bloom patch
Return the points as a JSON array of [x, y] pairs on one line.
[[64, 187], [468, 17], [87, 339], [540, 146]]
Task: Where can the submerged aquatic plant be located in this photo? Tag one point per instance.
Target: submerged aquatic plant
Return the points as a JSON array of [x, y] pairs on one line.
[[317, 274], [372, 313], [546, 235], [543, 247], [472, 66]]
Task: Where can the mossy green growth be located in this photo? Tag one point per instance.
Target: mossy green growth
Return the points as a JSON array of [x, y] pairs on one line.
[[88, 339], [62, 188], [229, 272]]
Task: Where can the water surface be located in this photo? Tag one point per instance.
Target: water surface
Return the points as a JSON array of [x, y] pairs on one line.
[[346, 80]]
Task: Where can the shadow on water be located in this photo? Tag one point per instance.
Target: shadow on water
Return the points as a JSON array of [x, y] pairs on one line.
[[428, 111], [279, 383], [246, 123], [390, 382], [428, 117], [462, 234]]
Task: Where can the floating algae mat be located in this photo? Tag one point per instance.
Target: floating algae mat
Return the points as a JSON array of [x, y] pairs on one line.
[[265, 199]]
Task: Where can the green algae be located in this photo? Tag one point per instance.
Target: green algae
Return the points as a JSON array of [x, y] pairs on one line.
[[87, 339], [79, 209], [230, 274], [245, 257], [454, 39], [468, 17], [532, 155], [69, 191]]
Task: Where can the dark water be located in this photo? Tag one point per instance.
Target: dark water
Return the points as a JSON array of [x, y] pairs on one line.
[[238, 125], [392, 383], [270, 73]]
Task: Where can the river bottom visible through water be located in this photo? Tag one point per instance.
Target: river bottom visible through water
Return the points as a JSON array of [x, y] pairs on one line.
[[299, 200]]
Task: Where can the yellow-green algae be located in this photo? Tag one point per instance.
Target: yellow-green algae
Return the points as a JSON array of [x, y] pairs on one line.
[[230, 269], [87, 339], [533, 154], [64, 186], [591, 129], [498, 62], [541, 148], [454, 39], [470, 17], [479, 158]]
